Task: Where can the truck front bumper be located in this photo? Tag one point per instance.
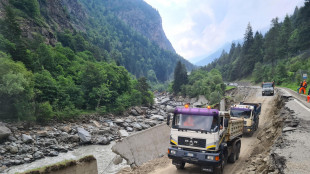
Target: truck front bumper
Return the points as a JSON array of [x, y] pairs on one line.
[[199, 158], [247, 129], [267, 92]]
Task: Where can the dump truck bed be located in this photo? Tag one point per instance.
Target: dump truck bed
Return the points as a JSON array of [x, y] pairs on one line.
[[235, 129]]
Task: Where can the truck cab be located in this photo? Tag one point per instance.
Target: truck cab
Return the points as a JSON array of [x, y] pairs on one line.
[[249, 112], [199, 136], [267, 88]]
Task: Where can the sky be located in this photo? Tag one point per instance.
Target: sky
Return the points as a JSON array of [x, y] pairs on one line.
[[197, 28]]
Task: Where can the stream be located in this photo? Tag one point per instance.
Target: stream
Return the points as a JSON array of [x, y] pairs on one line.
[[103, 154]]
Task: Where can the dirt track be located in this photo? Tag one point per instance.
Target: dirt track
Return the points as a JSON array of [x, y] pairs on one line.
[[249, 144]]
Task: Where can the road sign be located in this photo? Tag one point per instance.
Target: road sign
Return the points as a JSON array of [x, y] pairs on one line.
[[304, 76]]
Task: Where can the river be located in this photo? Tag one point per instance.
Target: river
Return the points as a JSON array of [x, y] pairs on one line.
[[103, 154]]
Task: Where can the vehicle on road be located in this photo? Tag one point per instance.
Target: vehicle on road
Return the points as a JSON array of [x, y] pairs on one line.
[[267, 88], [206, 137], [249, 112]]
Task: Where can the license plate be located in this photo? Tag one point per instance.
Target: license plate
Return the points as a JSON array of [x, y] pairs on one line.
[[190, 154]]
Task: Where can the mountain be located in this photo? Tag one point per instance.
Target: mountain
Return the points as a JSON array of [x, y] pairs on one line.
[[128, 32], [216, 54], [142, 17], [59, 58]]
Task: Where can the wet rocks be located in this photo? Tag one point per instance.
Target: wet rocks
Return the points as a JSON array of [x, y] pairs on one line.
[[103, 140]]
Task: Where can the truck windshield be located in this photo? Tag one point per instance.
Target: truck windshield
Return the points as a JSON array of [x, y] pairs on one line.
[[240, 113], [267, 85], [195, 122]]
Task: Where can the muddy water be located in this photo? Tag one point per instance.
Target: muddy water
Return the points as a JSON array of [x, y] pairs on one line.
[[103, 154]]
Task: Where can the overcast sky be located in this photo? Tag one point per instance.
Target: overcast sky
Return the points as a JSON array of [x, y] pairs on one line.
[[197, 28]]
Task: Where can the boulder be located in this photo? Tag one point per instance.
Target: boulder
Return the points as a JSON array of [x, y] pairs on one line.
[[134, 112], [117, 160], [123, 133], [139, 111], [164, 101], [201, 101], [74, 138], [13, 149], [84, 135], [4, 131], [42, 133], [157, 117], [119, 121], [103, 140], [136, 126], [96, 123], [129, 129], [66, 129], [38, 155], [27, 138]]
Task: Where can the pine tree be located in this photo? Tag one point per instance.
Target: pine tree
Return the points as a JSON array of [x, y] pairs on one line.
[[180, 77]]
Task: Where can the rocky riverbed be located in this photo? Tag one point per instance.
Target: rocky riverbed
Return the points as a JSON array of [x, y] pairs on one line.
[[26, 142]]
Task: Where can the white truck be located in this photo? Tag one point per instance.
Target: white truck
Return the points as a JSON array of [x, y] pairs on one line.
[[249, 112], [206, 137]]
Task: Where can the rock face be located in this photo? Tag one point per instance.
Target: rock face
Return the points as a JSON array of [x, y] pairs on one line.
[[4, 132], [144, 19]]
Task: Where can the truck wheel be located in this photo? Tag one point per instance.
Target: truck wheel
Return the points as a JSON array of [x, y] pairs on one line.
[[180, 165], [233, 156], [238, 151]]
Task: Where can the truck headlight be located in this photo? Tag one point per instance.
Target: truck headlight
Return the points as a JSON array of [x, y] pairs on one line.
[[209, 157], [173, 152]]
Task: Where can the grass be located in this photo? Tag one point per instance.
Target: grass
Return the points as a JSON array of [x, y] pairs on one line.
[[59, 166], [290, 86], [229, 88]]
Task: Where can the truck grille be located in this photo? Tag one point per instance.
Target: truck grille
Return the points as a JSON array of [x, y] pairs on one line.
[[195, 142]]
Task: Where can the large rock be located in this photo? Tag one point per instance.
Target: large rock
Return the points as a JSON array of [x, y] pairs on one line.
[[13, 149], [157, 117], [123, 133], [4, 131], [96, 123], [84, 135], [134, 112], [118, 121], [27, 138], [38, 155], [103, 140], [201, 101], [136, 126], [117, 160], [164, 101], [140, 112]]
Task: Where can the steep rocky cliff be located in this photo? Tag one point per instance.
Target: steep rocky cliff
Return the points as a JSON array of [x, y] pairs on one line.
[[143, 18]]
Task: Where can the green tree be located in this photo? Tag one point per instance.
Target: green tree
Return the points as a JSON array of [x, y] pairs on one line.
[[180, 77]]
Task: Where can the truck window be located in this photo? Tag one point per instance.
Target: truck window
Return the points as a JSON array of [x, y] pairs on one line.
[[240, 113], [192, 122], [267, 85]]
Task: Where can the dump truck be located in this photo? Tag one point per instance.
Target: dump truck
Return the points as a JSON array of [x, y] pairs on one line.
[[249, 112], [267, 88], [206, 137]]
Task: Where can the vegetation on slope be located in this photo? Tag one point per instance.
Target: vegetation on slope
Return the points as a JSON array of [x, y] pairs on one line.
[[282, 54]]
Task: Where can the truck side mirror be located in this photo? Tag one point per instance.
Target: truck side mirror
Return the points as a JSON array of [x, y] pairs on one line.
[[168, 120], [226, 122]]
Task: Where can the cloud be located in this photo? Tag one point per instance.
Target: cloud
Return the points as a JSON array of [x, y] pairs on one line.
[[200, 27]]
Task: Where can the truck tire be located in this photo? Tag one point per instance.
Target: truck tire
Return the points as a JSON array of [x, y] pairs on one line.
[[233, 156], [238, 150], [180, 166]]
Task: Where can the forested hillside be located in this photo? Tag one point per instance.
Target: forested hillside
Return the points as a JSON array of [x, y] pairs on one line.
[[63, 56], [282, 54]]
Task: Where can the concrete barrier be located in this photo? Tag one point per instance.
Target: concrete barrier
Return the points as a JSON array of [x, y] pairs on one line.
[[85, 165], [145, 145]]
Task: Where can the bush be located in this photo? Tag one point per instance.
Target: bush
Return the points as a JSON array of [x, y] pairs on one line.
[[43, 112]]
